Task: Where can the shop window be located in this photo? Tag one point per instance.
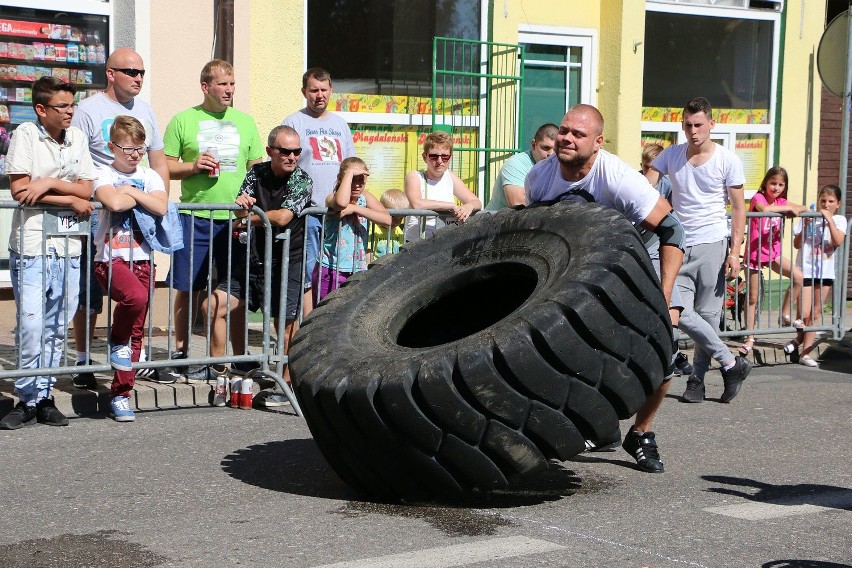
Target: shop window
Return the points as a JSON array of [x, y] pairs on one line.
[[384, 47], [727, 60]]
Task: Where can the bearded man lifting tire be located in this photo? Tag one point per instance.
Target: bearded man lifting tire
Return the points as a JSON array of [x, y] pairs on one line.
[[474, 357]]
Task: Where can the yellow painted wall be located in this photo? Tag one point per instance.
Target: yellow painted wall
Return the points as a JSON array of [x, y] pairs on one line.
[[620, 76], [619, 70], [269, 47], [276, 49], [800, 103]]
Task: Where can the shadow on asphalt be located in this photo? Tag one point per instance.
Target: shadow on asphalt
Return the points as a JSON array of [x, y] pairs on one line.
[[836, 359], [802, 564], [298, 467], [800, 494]]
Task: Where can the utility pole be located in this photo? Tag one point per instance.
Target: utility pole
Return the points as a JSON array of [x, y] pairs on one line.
[[223, 30]]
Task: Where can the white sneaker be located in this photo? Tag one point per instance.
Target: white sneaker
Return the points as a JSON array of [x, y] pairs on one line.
[[807, 361]]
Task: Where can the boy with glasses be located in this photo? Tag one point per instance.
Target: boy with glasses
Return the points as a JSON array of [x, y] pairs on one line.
[[123, 258], [48, 164], [437, 188]]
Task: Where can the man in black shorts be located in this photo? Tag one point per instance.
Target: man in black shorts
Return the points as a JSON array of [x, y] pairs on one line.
[[281, 190]]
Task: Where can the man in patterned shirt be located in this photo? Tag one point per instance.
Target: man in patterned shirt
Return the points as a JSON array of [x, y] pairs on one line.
[[282, 190]]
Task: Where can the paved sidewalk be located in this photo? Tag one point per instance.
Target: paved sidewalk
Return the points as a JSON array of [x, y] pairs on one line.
[[146, 396]]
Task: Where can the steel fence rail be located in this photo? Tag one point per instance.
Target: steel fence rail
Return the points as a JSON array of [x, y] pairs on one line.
[[69, 228]]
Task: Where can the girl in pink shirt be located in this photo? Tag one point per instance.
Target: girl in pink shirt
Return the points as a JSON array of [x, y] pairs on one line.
[[764, 243]]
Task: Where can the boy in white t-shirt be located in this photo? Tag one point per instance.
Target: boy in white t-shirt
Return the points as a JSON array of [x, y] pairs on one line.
[[123, 258]]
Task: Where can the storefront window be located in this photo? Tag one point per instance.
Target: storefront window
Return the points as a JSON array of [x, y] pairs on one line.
[[384, 47], [727, 60]]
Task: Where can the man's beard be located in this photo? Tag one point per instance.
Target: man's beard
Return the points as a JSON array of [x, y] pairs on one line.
[[575, 162]]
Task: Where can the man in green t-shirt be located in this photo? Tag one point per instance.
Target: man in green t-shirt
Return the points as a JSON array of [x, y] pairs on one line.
[[200, 142]]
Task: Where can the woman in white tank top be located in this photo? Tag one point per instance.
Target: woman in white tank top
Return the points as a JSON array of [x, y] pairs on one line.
[[437, 188]]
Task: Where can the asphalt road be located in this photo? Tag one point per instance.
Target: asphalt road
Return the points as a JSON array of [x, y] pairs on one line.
[[765, 481]]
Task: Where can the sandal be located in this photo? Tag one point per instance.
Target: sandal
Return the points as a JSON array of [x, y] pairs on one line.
[[807, 361], [791, 347], [747, 346]]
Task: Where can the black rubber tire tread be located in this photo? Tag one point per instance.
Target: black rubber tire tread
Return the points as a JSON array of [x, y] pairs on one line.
[[542, 328]]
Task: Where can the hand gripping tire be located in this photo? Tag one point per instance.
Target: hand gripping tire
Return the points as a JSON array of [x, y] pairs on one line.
[[474, 357]]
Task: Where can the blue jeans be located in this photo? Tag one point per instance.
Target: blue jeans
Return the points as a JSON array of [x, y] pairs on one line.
[[313, 227], [46, 291]]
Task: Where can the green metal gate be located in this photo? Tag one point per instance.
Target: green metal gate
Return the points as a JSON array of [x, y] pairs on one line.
[[477, 96]]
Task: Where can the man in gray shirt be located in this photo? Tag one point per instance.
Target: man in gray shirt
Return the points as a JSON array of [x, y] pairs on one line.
[[326, 141], [125, 72]]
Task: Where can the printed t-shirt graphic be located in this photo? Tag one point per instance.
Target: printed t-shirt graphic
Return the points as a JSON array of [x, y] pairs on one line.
[[225, 137]]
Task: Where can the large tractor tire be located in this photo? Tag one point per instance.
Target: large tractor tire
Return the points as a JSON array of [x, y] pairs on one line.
[[472, 358]]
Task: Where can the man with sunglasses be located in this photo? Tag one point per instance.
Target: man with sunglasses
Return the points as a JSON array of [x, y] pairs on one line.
[[282, 190], [189, 138], [326, 141], [125, 72]]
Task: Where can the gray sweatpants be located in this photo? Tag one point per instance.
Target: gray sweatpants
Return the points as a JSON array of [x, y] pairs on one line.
[[701, 282]]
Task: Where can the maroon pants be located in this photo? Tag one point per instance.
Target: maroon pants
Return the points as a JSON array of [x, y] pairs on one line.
[[129, 292]]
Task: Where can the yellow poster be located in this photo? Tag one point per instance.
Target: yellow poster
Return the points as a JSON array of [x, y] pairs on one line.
[[392, 151], [752, 151]]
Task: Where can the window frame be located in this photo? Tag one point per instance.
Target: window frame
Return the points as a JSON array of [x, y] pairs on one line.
[[729, 131]]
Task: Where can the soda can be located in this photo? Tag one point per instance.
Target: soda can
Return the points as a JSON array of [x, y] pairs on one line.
[[214, 151]]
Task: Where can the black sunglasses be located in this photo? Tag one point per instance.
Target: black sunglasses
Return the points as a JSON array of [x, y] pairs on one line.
[[287, 151], [130, 72]]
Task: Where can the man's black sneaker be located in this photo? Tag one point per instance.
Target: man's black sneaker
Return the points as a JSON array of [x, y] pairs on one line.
[[643, 448], [204, 374], [681, 365], [22, 415], [734, 377], [694, 390], [270, 399], [172, 374], [84, 380], [47, 413]]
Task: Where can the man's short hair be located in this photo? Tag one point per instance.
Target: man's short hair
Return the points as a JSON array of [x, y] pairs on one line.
[[699, 104], [548, 130], [649, 152], [210, 68], [590, 110], [273, 134], [438, 138], [128, 126], [317, 74], [394, 199], [46, 87]]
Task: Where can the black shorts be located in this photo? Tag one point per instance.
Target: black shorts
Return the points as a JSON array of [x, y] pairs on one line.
[[817, 281], [294, 290]]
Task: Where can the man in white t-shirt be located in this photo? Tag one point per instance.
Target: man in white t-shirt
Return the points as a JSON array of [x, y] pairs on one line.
[[580, 167], [326, 141], [704, 175]]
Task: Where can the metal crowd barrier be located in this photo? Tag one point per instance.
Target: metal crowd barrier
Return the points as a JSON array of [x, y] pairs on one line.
[[65, 226], [773, 288]]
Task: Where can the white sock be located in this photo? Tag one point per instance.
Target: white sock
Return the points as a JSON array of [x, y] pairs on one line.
[[82, 357], [730, 366]]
